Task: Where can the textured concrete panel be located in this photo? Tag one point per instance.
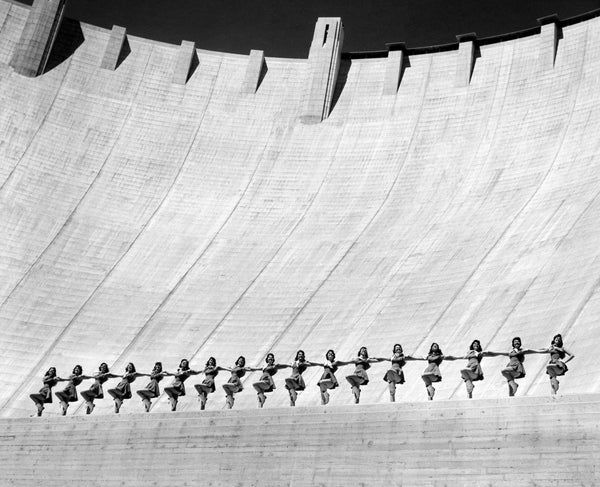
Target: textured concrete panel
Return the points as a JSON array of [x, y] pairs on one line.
[[531, 441], [185, 57], [393, 71], [114, 48], [254, 70], [549, 36], [35, 43], [323, 66], [465, 59]]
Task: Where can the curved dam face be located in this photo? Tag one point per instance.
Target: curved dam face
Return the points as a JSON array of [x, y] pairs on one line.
[[161, 202]]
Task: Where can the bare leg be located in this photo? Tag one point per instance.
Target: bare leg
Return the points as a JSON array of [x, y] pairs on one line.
[[428, 386], [392, 386], [293, 397], [356, 393], [203, 398], [63, 403], [39, 402], [470, 388], [261, 399], [229, 401]]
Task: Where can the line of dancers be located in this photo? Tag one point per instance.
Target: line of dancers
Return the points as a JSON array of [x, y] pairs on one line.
[[473, 372]]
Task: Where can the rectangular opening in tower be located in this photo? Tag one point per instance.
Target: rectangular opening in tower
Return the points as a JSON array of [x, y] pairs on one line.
[[326, 33]]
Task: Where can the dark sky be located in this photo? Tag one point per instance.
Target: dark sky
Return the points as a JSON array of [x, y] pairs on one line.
[[284, 27]]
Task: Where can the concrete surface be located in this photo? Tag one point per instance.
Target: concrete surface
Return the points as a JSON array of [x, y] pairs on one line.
[[500, 442], [143, 219]]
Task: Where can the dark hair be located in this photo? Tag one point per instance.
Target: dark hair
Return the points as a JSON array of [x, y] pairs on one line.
[[366, 351], [51, 372], [158, 366], [560, 340], [439, 350], [397, 345], [130, 367], [103, 365], [187, 364], [328, 352], [514, 339], [78, 367], [213, 360], [472, 347], [270, 354], [240, 358], [298, 353]]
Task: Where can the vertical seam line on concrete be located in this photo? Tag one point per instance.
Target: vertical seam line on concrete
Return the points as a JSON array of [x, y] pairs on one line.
[[68, 220]]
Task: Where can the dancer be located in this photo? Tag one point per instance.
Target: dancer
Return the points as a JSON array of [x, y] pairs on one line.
[[473, 372], [432, 372], [557, 367], [295, 382], [395, 375], [266, 383], [234, 384], [96, 391], [69, 393], [152, 389], [328, 379], [515, 368], [359, 377], [123, 389], [44, 396], [208, 384], [177, 388]]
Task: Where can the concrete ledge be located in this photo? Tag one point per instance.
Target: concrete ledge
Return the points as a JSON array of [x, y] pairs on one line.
[[114, 48], [37, 37], [465, 58], [394, 68], [254, 71], [479, 441], [323, 67], [185, 61], [549, 37]]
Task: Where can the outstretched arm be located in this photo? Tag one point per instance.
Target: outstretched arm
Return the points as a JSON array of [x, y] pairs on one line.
[[410, 357], [490, 353], [529, 351], [312, 364]]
